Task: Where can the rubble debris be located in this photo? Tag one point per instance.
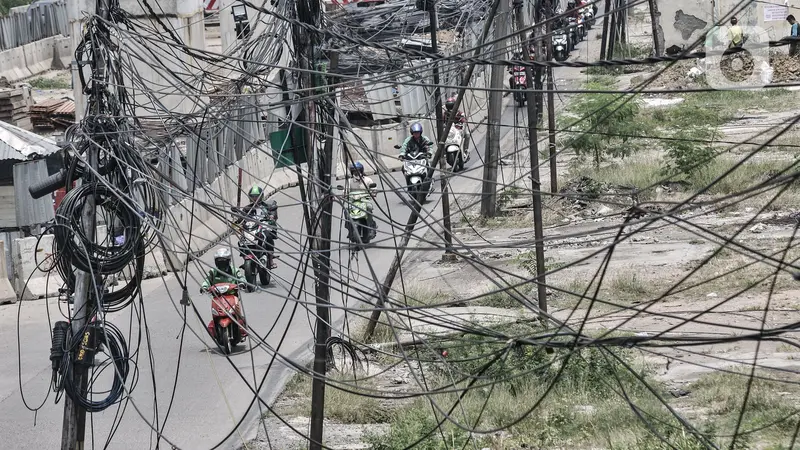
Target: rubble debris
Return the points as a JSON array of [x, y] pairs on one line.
[[14, 109], [53, 113]]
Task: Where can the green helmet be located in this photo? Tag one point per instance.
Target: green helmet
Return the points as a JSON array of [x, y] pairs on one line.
[[255, 192]]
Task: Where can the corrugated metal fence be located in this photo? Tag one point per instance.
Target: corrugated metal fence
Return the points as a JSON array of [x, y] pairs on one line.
[[27, 24]]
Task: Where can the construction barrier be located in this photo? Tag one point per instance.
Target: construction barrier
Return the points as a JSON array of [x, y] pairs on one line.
[[30, 281], [7, 294]]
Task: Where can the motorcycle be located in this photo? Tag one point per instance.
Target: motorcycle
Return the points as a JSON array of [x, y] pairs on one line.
[[572, 32], [588, 17], [227, 326], [580, 28], [560, 45], [520, 84], [454, 148], [418, 177], [253, 249], [358, 217]]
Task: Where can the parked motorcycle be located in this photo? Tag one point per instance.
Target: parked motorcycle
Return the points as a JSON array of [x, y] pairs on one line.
[[419, 181], [454, 149], [253, 249], [560, 45], [358, 217], [227, 326]]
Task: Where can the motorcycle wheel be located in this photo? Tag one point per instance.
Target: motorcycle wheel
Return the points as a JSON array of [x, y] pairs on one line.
[[250, 274], [264, 277], [364, 232], [451, 160], [224, 341]]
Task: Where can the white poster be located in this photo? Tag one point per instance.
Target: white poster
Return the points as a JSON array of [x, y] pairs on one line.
[[774, 13]]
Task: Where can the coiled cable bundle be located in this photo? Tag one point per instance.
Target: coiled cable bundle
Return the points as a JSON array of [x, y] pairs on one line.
[[94, 335]]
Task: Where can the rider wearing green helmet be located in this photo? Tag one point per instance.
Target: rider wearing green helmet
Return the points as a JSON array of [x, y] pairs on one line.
[[268, 210]]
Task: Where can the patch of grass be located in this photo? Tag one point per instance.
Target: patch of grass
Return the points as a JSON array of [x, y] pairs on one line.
[[527, 260], [638, 171], [494, 299], [767, 412], [629, 286], [341, 406], [582, 410], [49, 83], [419, 295]]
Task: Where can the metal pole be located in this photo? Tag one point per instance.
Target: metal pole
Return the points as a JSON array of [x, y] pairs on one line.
[[551, 113], [412, 219], [322, 269], [492, 155], [73, 430], [604, 41], [536, 188], [440, 138]]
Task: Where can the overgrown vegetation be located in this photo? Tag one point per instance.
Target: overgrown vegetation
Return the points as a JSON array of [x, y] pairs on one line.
[[542, 400], [609, 125], [49, 83], [340, 406]]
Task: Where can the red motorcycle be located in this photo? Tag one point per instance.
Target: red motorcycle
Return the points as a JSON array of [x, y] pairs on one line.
[[227, 326], [520, 84]]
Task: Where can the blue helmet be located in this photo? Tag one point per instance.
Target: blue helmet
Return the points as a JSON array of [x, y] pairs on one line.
[[357, 167], [416, 128]]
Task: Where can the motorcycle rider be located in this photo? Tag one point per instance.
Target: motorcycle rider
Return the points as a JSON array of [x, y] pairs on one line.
[[459, 119], [515, 70], [360, 183], [268, 210], [224, 272], [417, 142]]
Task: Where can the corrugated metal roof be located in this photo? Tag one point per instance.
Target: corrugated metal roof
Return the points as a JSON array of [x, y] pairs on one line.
[[21, 145]]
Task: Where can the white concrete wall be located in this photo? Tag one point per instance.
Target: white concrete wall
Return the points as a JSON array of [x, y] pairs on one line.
[[155, 86]]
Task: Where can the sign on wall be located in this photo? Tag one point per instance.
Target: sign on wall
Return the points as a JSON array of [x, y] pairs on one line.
[[774, 13]]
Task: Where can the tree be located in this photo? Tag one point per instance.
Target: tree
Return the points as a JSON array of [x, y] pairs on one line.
[[610, 125], [6, 5], [689, 151]]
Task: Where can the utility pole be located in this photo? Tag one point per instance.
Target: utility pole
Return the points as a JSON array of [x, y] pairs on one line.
[[440, 137], [604, 40], [655, 20], [320, 166], [412, 219], [551, 109], [322, 268], [536, 187], [73, 430], [492, 155], [612, 31]]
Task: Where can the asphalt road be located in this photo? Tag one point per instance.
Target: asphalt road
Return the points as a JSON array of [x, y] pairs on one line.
[[210, 396]]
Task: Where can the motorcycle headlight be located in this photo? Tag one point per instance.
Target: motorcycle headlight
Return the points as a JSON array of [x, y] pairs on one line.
[[222, 289], [214, 312]]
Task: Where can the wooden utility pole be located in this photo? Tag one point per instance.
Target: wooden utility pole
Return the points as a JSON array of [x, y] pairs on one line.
[[440, 138], [386, 287], [655, 20], [533, 142], [73, 430], [604, 40], [495, 114], [551, 109]]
